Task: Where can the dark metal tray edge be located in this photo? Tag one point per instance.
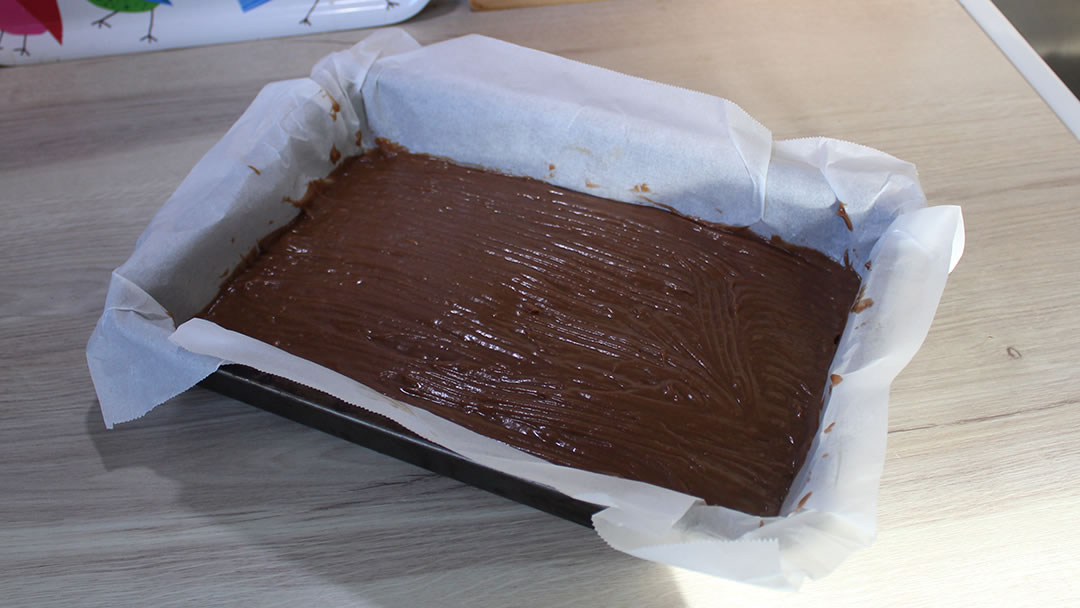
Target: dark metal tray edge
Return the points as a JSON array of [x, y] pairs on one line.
[[321, 411]]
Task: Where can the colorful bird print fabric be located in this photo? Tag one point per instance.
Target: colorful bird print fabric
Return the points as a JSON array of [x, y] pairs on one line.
[[29, 18], [33, 31], [129, 6], [247, 5]]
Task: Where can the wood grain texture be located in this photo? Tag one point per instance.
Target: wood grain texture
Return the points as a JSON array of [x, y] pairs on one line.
[[210, 502], [495, 5]]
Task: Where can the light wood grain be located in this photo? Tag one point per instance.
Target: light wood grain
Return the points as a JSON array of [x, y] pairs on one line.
[[495, 5], [210, 502]]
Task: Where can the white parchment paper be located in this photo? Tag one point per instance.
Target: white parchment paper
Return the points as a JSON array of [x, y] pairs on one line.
[[491, 104]]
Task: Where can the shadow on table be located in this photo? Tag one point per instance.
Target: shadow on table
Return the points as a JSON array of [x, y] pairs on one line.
[[388, 532]]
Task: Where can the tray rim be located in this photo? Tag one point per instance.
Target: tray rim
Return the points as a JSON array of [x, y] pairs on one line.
[[281, 397]]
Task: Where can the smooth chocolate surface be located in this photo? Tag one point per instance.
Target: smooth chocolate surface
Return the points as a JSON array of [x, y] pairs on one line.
[[605, 336]]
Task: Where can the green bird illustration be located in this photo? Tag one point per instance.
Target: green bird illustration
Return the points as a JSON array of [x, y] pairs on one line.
[[129, 6]]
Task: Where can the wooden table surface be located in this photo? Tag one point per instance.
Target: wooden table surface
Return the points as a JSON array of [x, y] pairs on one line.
[[207, 501]]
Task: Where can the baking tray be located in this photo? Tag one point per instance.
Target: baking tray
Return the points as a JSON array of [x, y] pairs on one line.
[[326, 413]]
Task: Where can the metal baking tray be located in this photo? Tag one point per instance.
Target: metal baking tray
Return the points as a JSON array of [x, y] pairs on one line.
[[321, 411]]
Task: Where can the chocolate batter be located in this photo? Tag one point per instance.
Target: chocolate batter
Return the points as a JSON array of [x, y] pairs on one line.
[[610, 337]]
